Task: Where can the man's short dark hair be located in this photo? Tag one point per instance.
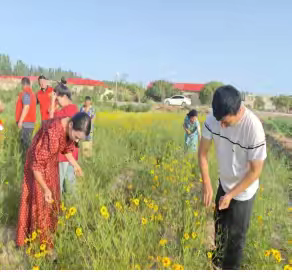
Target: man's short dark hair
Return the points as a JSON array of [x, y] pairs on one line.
[[41, 77], [87, 98], [226, 101], [25, 81]]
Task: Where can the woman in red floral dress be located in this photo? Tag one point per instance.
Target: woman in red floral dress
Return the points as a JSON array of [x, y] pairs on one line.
[[40, 197]]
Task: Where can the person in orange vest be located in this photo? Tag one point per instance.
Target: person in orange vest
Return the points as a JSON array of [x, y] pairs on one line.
[[44, 98], [25, 115]]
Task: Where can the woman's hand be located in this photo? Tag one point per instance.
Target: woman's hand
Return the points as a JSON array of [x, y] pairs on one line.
[[48, 196], [78, 171]]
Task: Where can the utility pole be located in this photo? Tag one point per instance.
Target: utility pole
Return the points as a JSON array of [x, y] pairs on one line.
[[116, 96]]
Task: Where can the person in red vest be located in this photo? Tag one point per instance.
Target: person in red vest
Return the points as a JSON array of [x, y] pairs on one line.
[[62, 96], [25, 115], [44, 98]]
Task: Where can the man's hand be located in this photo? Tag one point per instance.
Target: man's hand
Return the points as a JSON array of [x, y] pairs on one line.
[[207, 194], [224, 201], [19, 125]]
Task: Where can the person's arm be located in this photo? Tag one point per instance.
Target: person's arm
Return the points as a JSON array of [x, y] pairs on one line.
[[253, 174], [199, 130], [204, 148], [25, 109], [256, 156], [47, 192], [52, 104], [74, 163], [185, 126]]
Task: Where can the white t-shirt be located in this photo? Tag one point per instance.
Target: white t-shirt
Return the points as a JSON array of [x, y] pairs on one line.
[[235, 147]]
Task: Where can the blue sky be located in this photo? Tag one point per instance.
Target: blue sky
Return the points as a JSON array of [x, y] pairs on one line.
[[246, 43]]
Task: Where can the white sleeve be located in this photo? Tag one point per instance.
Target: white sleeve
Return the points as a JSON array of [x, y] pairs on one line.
[[207, 127], [257, 149]]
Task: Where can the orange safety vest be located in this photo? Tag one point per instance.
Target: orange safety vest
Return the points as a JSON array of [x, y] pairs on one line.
[[31, 115]]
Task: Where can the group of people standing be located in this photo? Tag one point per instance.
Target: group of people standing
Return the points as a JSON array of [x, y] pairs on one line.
[[50, 158]]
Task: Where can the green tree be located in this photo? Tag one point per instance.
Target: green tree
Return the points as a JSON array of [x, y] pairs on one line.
[[206, 94], [21, 69], [5, 65], [160, 90], [259, 103], [282, 102]]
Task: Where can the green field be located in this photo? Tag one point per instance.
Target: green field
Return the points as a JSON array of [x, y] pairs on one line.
[[281, 125], [139, 203]]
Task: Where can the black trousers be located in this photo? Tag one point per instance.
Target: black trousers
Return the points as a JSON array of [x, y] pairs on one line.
[[231, 226], [25, 139]]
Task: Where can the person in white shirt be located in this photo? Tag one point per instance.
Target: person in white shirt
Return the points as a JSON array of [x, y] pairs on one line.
[[240, 144]]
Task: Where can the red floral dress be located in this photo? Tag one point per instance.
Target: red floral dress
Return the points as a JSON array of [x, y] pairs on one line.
[[35, 214]]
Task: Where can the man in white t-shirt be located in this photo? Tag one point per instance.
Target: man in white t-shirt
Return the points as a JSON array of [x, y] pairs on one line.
[[240, 144]]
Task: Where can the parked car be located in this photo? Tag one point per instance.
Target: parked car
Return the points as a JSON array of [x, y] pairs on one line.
[[178, 100]]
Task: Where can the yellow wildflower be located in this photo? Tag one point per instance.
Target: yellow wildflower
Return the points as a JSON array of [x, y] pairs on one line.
[[152, 172], [155, 178], [166, 262], [194, 235], [145, 200], [196, 213], [267, 253], [195, 199], [43, 247], [28, 251], [198, 223], [163, 242], [26, 240], [35, 268], [136, 201], [67, 215], [39, 231], [33, 235], [151, 205], [119, 206], [159, 217], [144, 221], [103, 210], [63, 208], [155, 208], [106, 215], [209, 254], [130, 186], [72, 211], [287, 267], [37, 255], [186, 236], [79, 232], [290, 209], [137, 267], [177, 267]]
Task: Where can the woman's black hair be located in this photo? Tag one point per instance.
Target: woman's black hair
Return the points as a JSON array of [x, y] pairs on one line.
[[81, 122], [192, 113], [62, 90]]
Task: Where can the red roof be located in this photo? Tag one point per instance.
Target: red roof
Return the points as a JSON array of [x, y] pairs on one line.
[[185, 87], [73, 81]]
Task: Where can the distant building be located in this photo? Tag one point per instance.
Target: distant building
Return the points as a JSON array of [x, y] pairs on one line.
[[8, 82], [249, 100]]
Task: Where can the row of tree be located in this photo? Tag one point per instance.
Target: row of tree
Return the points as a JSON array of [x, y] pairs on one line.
[[22, 69]]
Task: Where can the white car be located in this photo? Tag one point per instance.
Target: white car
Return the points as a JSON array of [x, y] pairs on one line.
[[178, 100]]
